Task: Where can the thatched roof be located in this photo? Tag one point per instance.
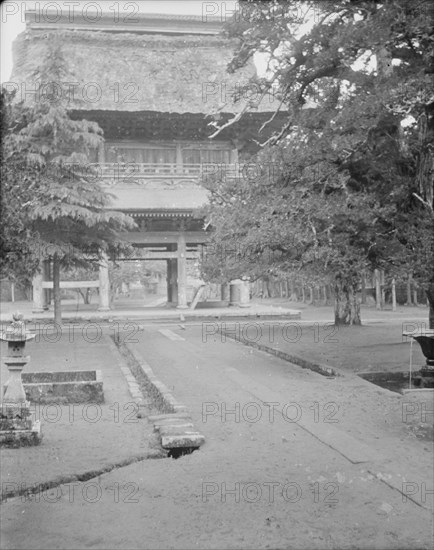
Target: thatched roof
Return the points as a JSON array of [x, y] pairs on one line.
[[179, 73], [151, 125]]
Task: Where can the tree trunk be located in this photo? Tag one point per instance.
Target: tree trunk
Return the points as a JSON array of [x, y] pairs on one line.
[[292, 292], [363, 289], [224, 291], [303, 293], [425, 183], [409, 290], [377, 289], [430, 295], [393, 295], [347, 305], [324, 302], [56, 290], [310, 301], [269, 288]]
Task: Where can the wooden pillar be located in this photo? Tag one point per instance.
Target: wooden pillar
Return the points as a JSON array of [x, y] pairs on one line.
[[383, 288], [224, 292], [38, 293], [172, 283], [393, 294], [169, 281], [46, 277], [182, 271], [104, 284]]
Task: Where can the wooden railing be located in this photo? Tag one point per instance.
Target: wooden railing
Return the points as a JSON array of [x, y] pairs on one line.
[[123, 173]]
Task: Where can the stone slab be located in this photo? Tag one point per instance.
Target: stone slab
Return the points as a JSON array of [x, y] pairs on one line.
[[178, 441], [176, 430], [173, 422], [158, 417]]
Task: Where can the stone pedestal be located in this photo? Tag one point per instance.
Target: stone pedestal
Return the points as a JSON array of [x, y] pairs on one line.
[[425, 339], [17, 426]]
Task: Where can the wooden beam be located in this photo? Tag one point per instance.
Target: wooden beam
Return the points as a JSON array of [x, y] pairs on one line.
[[72, 284], [165, 237]]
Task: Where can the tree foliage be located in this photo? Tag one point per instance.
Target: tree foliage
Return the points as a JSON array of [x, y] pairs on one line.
[[351, 186], [55, 208]]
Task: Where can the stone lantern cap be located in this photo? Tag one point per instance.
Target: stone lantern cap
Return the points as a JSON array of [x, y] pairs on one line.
[[16, 331], [428, 332]]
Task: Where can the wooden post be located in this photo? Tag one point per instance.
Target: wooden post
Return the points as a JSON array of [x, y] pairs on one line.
[[182, 271], [38, 293], [169, 280], [377, 289], [56, 290], [393, 294], [104, 284]]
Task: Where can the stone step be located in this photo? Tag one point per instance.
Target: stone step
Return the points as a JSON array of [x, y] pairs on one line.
[[172, 422], [177, 441], [174, 416], [176, 430]]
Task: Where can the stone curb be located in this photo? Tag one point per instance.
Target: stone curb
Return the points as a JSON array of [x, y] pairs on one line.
[[188, 315], [325, 370], [175, 429], [133, 386]]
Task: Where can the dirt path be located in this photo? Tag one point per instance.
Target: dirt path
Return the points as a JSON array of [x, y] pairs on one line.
[[259, 481]]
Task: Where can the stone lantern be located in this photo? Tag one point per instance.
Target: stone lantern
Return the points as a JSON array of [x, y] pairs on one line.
[[425, 338], [17, 427]]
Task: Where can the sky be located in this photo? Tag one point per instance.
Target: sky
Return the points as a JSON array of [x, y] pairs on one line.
[[12, 15]]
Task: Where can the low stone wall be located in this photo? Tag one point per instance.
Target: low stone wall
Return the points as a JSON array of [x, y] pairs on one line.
[[64, 387], [159, 393], [325, 370]]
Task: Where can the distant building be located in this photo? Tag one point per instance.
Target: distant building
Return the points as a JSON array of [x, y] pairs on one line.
[[157, 87]]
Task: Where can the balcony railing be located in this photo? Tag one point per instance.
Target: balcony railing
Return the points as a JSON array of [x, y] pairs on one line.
[[137, 173]]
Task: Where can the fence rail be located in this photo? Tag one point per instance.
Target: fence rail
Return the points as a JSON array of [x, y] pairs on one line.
[[114, 173]]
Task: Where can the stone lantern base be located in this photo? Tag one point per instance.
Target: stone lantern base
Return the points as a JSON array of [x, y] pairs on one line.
[[17, 427]]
